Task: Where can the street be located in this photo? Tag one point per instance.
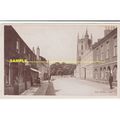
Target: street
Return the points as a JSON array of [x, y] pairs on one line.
[[75, 87], [67, 72], [71, 86]]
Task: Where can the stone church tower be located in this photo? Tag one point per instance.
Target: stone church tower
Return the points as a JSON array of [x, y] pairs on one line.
[[84, 44]]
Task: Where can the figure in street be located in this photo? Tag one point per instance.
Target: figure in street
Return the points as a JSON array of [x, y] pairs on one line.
[[110, 80]]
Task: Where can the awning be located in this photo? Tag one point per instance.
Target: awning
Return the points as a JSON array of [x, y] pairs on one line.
[[35, 70]]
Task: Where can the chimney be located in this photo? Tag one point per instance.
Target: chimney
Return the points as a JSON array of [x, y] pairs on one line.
[[33, 50], [107, 30], [38, 52]]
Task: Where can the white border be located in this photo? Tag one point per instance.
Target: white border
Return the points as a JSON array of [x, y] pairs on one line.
[[56, 22]]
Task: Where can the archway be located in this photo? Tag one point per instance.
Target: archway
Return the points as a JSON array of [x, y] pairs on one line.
[[96, 74], [108, 72], [104, 73], [115, 73], [101, 73]]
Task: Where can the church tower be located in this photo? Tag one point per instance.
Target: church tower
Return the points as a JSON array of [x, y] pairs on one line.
[[83, 44], [88, 41], [86, 34]]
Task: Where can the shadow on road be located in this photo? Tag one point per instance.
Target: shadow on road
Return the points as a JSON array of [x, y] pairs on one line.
[[50, 89]]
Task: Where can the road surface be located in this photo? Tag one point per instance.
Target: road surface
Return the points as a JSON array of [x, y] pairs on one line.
[[71, 86]]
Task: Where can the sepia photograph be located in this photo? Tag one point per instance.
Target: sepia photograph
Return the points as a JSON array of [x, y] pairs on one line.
[[60, 59]]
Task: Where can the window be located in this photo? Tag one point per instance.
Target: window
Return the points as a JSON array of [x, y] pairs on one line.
[[96, 74], [104, 73], [107, 49], [97, 54], [17, 46], [102, 53], [115, 48], [81, 47], [29, 56]]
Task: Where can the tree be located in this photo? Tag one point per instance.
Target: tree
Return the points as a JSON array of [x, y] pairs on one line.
[[62, 69]]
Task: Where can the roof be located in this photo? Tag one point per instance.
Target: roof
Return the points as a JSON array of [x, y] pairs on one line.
[[113, 32], [10, 26], [42, 58]]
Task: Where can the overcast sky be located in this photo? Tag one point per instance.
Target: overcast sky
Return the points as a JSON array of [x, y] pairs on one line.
[[57, 42]]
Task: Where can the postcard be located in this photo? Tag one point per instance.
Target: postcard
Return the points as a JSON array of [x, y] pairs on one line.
[[59, 59]]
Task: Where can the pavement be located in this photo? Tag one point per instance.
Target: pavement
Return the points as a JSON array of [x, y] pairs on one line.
[[37, 90]]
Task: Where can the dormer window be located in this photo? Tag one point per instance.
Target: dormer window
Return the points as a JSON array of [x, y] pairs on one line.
[[17, 46]]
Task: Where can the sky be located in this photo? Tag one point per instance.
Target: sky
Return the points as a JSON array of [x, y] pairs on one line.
[[57, 41]]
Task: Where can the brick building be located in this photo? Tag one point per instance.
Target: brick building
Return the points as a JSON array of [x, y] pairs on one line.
[[95, 61], [105, 51], [18, 76]]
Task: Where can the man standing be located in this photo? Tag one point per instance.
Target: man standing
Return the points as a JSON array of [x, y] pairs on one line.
[[110, 80]]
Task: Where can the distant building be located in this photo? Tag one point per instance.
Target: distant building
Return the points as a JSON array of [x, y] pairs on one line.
[[85, 57], [95, 61], [42, 65]]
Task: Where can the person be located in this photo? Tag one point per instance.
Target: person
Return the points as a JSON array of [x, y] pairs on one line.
[[38, 80], [49, 78], [110, 80]]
